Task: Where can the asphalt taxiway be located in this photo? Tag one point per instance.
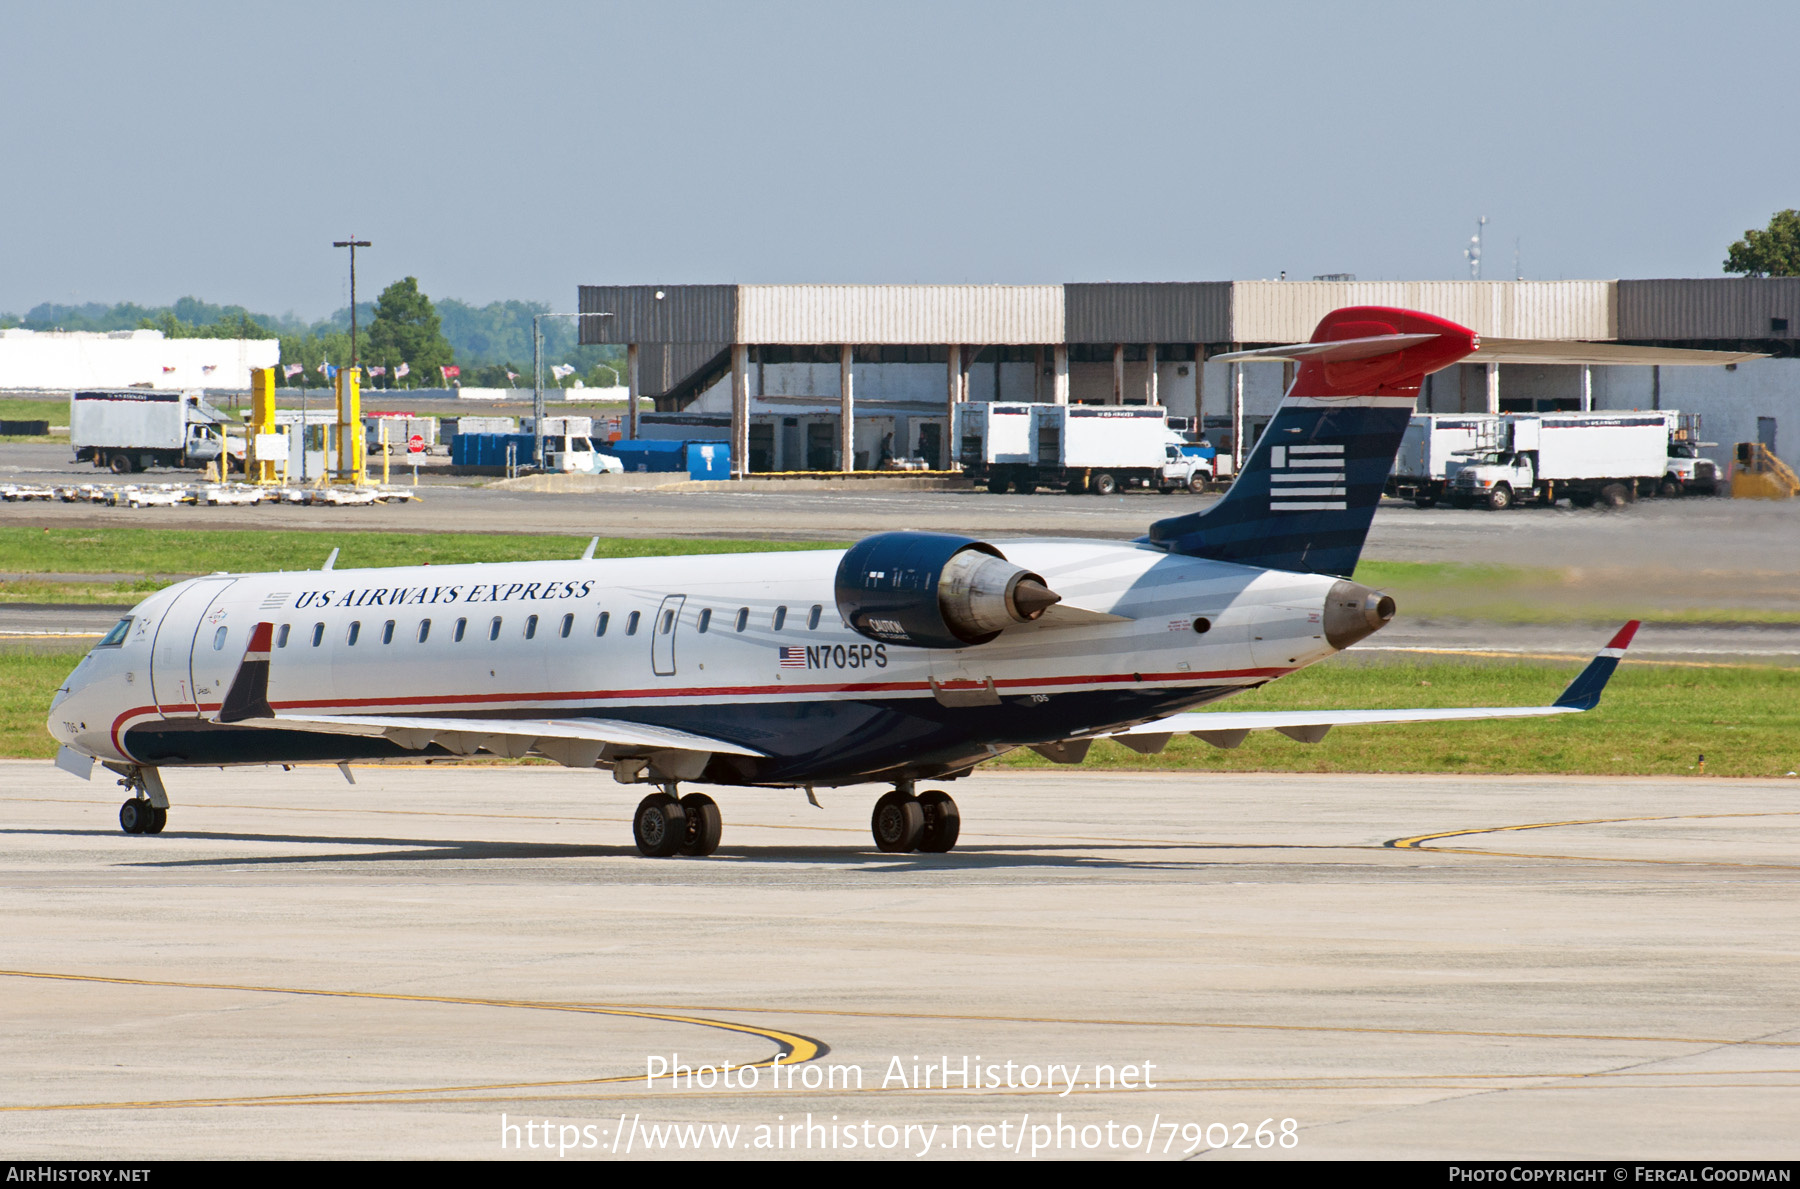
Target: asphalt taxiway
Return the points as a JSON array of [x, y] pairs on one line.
[[1403, 965]]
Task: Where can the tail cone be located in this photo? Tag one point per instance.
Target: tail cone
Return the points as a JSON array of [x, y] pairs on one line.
[[1353, 611]]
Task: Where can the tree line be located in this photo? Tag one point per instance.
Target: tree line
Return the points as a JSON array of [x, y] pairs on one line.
[[491, 343]]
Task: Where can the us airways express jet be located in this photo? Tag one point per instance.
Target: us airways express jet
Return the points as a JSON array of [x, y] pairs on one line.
[[908, 657]]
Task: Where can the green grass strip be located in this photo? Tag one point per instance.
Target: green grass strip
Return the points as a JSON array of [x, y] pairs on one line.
[[39, 550]]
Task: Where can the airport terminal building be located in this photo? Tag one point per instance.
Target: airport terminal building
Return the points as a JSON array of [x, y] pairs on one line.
[[847, 377]]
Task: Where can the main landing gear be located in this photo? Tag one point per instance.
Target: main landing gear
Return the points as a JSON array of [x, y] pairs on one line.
[[903, 822], [148, 810], [666, 825]]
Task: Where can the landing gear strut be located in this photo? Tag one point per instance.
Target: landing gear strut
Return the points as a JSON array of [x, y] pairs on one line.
[[148, 810], [666, 825], [903, 823]]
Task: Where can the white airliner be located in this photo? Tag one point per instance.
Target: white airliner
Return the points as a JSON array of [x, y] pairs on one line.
[[909, 657]]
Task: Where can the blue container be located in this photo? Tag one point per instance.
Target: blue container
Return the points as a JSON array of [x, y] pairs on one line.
[[708, 460], [639, 454], [489, 449]]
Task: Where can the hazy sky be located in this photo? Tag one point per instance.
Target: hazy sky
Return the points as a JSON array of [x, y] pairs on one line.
[[520, 149]]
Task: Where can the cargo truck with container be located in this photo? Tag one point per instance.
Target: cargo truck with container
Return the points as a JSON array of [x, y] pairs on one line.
[[1098, 448], [1586, 458], [1433, 445], [134, 429]]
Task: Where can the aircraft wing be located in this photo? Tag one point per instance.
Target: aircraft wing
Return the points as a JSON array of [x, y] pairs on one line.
[[418, 731], [1228, 729]]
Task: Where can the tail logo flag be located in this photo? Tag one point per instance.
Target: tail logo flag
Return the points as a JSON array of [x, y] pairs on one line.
[[1306, 478], [1309, 487]]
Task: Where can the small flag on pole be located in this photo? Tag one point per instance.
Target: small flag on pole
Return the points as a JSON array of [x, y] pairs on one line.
[[401, 372], [207, 369], [511, 377], [562, 371], [448, 372], [378, 371], [292, 370], [167, 370]]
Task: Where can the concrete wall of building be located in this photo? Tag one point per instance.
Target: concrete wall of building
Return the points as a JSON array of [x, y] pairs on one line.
[[1730, 402], [129, 358]]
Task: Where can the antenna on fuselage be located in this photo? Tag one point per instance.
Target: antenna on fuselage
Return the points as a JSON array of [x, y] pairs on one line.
[[588, 553], [330, 561]]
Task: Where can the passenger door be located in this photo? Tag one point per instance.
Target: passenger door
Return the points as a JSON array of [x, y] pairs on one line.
[[172, 682], [663, 630]]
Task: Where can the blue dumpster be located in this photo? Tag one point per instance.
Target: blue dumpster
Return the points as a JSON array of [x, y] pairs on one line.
[[708, 460]]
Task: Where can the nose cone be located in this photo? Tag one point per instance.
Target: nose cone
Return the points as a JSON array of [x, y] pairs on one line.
[[66, 706], [1353, 611]]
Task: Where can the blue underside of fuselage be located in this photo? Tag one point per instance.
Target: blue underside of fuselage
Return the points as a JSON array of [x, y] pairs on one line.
[[806, 742]]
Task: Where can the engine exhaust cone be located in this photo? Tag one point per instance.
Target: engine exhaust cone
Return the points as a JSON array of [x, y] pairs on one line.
[[1032, 598]]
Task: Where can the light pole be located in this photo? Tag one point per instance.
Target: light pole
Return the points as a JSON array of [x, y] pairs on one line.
[[352, 243], [537, 376]]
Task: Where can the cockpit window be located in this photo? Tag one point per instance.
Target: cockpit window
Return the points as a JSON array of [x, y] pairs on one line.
[[116, 637]]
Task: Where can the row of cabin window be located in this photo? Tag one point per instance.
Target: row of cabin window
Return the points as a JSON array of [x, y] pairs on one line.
[[703, 623]]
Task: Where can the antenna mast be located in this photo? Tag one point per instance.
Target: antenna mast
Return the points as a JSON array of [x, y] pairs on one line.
[[1473, 251]]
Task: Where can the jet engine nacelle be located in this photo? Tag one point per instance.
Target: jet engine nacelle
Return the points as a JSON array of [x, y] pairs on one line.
[[935, 590]]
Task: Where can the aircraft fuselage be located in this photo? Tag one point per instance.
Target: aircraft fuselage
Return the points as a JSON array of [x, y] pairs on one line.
[[747, 648]]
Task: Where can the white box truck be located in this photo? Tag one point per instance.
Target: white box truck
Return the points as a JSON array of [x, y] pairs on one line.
[[1098, 448], [1434, 443], [569, 447], [1586, 458], [134, 429]]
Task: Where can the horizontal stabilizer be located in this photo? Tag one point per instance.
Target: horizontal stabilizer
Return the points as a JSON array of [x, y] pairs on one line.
[[1309, 726], [1618, 354], [1488, 350], [1337, 351]]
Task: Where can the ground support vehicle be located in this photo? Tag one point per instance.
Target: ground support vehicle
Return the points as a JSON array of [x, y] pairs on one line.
[[1686, 472], [1586, 458], [1759, 475], [1429, 450], [1099, 448], [133, 429], [569, 447]]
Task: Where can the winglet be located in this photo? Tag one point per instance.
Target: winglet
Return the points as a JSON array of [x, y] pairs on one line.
[[249, 693], [1584, 692]]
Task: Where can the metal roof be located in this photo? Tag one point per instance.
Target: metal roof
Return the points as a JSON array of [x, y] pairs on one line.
[[1209, 312], [1709, 308]]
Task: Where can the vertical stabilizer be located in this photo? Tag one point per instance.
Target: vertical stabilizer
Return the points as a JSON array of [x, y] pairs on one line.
[[1309, 488]]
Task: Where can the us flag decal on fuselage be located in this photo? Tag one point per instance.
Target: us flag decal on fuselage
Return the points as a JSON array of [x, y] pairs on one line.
[[833, 656], [1306, 478]]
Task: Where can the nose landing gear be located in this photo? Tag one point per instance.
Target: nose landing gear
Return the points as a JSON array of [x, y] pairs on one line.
[[138, 816], [148, 810], [902, 822]]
